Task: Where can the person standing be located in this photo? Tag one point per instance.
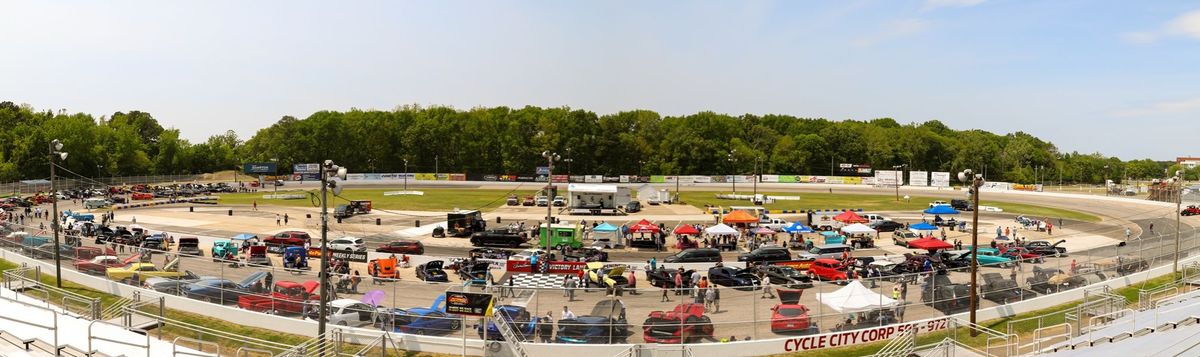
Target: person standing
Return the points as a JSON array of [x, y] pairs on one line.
[[277, 219], [679, 281], [766, 283], [710, 296], [546, 327], [567, 314], [285, 219]]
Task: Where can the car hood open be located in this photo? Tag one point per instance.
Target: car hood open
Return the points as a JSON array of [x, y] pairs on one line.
[[790, 297]]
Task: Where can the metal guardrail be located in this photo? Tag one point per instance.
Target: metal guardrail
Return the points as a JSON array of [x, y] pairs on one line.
[[901, 345], [53, 327], [1038, 338], [175, 351], [92, 337]]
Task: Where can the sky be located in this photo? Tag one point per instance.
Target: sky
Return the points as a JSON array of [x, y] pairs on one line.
[[1117, 77]]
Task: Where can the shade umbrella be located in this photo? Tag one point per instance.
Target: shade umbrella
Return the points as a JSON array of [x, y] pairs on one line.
[[644, 227], [849, 217], [738, 216], [797, 227], [941, 209], [923, 226], [686, 229], [857, 228], [764, 230], [930, 244]]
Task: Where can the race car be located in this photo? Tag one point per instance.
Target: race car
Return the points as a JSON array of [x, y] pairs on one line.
[[790, 316], [432, 272]]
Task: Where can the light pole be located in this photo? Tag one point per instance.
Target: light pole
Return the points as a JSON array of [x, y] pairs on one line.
[[56, 151], [641, 164], [435, 166], [899, 178], [975, 181], [733, 167], [273, 183], [328, 172], [1178, 182], [550, 157], [568, 160], [405, 174], [757, 162], [1106, 180]]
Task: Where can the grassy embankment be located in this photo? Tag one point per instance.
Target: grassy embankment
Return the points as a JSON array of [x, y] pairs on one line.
[[810, 200]]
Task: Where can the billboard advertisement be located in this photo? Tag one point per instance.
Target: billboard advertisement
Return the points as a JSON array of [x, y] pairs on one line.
[[854, 169], [468, 304], [918, 178], [939, 179], [887, 177], [259, 168]]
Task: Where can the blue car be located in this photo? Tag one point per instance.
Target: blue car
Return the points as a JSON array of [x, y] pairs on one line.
[[223, 291], [295, 258], [425, 321], [606, 324], [516, 317]]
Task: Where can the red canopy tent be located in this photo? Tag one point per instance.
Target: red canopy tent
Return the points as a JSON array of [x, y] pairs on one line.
[[739, 217], [849, 217], [644, 227], [686, 229], [930, 244]]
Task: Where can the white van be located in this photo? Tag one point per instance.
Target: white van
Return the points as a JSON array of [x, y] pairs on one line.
[[93, 203]]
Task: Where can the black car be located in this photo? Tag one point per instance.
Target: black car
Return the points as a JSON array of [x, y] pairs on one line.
[[1000, 290], [1045, 249], [946, 296], [766, 254], [961, 205], [586, 255], [605, 324], [887, 226], [740, 279], [788, 277], [490, 253], [695, 255], [432, 272], [475, 274], [665, 278], [500, 237], [633, 207]]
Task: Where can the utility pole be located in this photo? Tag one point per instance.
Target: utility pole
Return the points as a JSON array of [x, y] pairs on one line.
[[327, 169], [405, 174], [56, 151], [733, 167], [1178, 181], [757, 162], [975, 181], [899, 179], [550, 157]]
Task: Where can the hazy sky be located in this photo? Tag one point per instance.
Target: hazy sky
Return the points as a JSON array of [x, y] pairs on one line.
[[1119, 77]]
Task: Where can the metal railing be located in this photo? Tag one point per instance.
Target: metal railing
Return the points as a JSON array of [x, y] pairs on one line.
[[175, 351], [900, 345], [52, 327], [92, 337], [1039, 338]]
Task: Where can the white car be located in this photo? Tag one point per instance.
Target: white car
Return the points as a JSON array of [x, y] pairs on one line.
[[347, 243], [938, 203], [350, 312]]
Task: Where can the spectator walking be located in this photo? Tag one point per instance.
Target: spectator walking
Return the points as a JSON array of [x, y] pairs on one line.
[[679, 281], [710, 296], [766, 283]]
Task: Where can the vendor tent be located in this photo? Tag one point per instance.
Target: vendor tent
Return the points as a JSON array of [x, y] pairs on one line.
[[644, 226], [855, 297], [604, 227], [686, 229], [721, 230], [941, 209], [739, 217], [764, 231], [797, 227], [930, 244], [923, 226], [245, 236], [849, 217], [857, 228]]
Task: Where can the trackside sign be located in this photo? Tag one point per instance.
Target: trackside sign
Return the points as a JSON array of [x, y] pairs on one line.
[[840, 339]]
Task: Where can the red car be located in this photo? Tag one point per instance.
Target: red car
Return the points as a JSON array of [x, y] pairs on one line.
[[99, 264], [402, 247], [828, 269], [1024, 254], [790, 316], [1190, 211], [143, 196], [289, 238], [686, 323], [287, 296]]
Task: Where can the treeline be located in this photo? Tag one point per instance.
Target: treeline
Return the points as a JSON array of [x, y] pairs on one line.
[[507, 140]]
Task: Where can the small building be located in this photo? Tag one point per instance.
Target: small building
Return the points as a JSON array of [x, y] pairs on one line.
[[1188, 162]]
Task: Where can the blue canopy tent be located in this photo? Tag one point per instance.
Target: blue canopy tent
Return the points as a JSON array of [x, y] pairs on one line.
[[923, 226], [245, 237], [605, 227], [797, 227], [941, 209], [606, 236]]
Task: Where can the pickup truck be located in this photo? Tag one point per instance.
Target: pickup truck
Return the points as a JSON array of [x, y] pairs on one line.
[[286, 296], [774, 224], [501, 237]]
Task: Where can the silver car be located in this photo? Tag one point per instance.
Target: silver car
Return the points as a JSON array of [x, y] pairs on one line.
[[831, 251]]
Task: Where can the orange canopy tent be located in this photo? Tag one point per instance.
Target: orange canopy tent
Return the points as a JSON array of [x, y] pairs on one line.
[[739, 217], [850, 217]]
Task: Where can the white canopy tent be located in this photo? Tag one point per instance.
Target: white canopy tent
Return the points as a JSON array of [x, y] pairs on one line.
[[721, 230], [855, 297], [857, 228]]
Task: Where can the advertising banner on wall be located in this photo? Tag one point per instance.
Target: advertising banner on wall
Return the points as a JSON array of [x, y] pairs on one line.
[[845, 169], [425, 177], [543, 170], [468, 304], [593, 178], [918, 178], [886, 177], [306, 168], [939, 179], [787, 178], [559, 178], [458, 177], [996, 186], [697, 179], [770, 178]]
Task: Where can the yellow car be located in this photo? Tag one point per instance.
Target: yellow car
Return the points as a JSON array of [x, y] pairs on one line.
[[606, 276], [144, 270]]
